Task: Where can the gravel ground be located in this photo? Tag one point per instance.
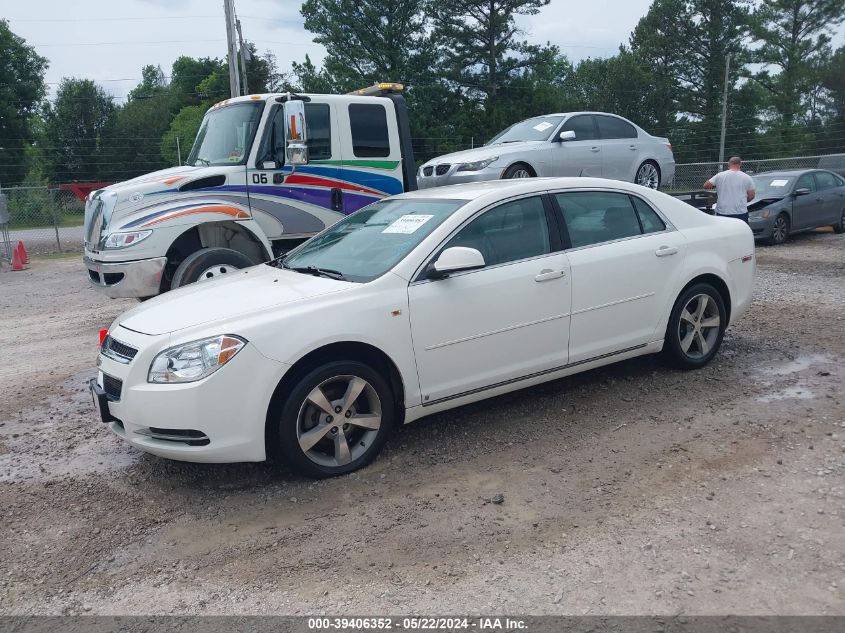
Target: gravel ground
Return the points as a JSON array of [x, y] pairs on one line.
[[633, 489]]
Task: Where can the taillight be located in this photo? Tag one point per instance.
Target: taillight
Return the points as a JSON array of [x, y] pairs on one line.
[[669, 146], [103, 334]]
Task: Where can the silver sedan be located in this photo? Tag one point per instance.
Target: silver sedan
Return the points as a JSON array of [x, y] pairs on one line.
[[593, 144]]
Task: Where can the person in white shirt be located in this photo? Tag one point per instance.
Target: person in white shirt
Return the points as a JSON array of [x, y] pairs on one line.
[[734, 189]]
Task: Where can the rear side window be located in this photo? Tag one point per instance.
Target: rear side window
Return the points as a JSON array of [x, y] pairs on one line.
[[592, 217], [649, 220], [826, 180], [611, 127], [368, 123], [583, 127], [319, 130]]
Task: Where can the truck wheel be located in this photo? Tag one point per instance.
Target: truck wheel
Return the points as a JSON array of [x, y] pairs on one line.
[[208, 263]]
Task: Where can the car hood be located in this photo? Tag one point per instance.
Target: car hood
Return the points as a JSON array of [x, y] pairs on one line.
[[486, 151], [761, 202], [245, 292]]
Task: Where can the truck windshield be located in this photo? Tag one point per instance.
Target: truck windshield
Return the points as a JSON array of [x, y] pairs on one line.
[[368, 243], [539, 128], [226, 134]]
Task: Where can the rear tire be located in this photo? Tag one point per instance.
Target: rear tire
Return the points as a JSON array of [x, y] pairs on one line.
[[518, 170], [648, 175], [840, 226], [208, 263], [335, 420], [696, 327], [780, 230]]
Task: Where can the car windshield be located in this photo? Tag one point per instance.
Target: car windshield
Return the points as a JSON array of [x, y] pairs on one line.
[[772, 185], [226, 134], [368, 243], [539, 128]]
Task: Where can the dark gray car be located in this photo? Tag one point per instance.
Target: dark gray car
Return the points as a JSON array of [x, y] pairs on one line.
[[788, 202]]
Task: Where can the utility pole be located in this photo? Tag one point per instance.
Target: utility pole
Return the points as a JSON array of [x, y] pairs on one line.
[[232, 47], [244, 56], [724, 113]]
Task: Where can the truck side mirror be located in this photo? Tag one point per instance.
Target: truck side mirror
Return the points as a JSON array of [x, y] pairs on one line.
[[296, 135]]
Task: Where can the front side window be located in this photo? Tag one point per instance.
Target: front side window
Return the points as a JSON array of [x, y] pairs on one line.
[[611, 127], [583, 127], [806, 182], [512, 231], [226, 134], [368, 243], [368, 123], [592, 217]]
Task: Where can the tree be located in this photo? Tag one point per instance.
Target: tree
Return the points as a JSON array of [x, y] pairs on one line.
[[794, 37], [76, 125], [184, 126], [369, 40], [478, 42], [834, 82], [21, 90]]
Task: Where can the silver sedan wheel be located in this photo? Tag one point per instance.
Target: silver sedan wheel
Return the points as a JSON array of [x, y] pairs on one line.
[[647, 176], [698, 328], [216, 271], [338, 421], [521, 173]]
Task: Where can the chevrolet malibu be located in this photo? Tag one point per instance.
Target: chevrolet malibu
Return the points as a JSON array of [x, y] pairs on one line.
[[416, 304]]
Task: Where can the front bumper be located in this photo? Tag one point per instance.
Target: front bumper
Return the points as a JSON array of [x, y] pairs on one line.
[[761, 227], [455, 177], [219, 419], [119, 280]]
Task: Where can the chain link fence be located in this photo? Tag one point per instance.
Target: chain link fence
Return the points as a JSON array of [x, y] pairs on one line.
[[45, 219], [691, 176]]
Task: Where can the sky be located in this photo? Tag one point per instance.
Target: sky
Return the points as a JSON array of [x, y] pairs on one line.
[[111, 40]]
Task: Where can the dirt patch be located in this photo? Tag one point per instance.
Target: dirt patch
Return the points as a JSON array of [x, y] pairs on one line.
[[632, 489]]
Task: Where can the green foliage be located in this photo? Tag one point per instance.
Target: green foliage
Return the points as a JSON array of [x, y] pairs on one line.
[[21, 90], [184, 126]]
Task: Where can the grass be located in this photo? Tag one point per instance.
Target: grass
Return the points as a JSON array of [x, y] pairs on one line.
[[68, 220]]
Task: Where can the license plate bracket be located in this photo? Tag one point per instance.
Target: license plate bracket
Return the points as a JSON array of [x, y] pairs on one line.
[[101, 402]]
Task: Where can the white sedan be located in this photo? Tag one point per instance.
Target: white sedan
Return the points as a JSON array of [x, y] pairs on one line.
[[416, 304]]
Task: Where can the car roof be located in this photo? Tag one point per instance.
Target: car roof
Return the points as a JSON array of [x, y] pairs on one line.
[[500, 189]]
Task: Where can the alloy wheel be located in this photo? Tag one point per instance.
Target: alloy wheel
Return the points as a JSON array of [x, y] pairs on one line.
[[647, 176], [521, 173], [698, 327], [780, 230], [339, 420]]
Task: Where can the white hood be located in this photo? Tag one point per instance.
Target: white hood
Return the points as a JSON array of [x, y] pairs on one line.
[[245, 292], [486, 151]]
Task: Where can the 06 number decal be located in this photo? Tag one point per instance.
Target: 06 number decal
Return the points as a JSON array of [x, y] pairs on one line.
[[259, 179]]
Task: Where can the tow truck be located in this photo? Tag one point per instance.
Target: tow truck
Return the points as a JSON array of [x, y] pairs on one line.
[[266, 172]]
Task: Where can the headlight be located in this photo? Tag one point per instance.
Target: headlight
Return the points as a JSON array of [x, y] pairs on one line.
[[478, 164], [762, 215], [122, 240], [195, 360]]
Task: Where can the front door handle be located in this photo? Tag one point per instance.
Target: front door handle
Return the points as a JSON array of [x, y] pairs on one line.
[[548, 274], [595, 149], [633, 148], [664, 251]]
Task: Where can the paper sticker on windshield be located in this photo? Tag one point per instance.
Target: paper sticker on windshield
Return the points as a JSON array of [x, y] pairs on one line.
[[779, 183], [542, 127], [407, 224]]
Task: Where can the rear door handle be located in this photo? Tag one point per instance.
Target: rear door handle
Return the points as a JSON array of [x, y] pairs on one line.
[[664, 251], [633, 148], [547, 274], [595, 149]]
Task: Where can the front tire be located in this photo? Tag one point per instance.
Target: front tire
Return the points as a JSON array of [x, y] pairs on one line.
[[335, 420], [780, 230], [208, 263], [840, 226], [696, 327], [518, 170], [648, 175]]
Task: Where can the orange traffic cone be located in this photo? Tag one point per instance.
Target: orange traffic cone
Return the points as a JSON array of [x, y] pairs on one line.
[[24, 256], [17, 263]]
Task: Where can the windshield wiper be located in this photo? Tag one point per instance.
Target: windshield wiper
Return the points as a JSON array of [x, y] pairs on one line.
[[204, 161], [317, 272]]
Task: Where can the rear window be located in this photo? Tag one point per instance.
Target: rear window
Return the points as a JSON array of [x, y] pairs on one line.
[[368, 123], [611, 127]]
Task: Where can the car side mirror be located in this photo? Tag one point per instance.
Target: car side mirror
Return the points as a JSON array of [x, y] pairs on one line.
[[455, 259], [568, 135], [803, 191], [296, 135]]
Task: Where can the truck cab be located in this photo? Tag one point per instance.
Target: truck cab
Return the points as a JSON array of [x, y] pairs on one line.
[[265, 173]]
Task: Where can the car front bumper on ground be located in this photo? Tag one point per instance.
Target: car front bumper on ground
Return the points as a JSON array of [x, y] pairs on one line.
[[218, 419], [454, 177], [120, 280]]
